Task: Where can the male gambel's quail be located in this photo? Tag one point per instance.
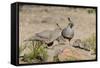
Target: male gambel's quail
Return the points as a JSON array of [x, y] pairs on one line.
[[68, 32]]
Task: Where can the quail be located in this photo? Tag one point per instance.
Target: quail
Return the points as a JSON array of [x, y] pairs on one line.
[[68, 32], [47, 36]]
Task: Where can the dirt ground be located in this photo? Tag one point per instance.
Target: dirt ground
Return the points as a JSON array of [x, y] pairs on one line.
[[34, 19]]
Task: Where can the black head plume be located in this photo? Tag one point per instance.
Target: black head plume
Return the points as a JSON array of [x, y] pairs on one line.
[[69, 19], [71, 23]]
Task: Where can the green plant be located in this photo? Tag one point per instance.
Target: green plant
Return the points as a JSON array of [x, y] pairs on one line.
[[56, 58], [91, 11], [38, 53]]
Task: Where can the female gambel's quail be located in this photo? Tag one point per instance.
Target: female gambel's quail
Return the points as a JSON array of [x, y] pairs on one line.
[[47, 36], [68, 32]]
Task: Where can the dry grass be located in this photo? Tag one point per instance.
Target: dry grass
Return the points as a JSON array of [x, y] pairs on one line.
[[91, 42]]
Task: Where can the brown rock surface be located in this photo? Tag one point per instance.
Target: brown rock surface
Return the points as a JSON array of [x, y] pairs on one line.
[[71, 53]]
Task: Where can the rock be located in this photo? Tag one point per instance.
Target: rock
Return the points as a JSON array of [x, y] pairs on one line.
[[82, 45], [74, 54]]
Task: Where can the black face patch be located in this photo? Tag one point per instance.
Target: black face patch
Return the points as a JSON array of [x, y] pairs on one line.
[[71, 25]]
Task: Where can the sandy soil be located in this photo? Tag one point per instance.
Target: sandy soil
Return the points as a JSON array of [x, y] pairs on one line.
[[34, 19]]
